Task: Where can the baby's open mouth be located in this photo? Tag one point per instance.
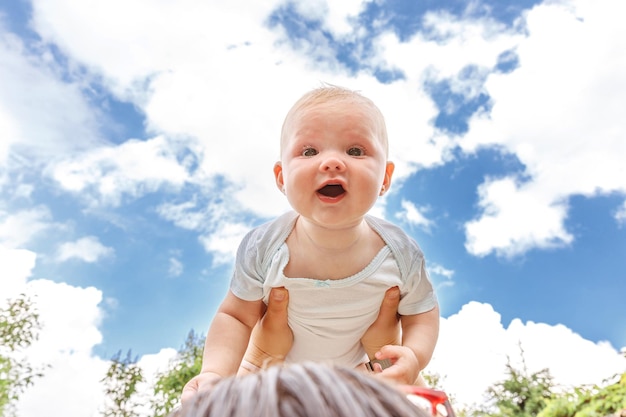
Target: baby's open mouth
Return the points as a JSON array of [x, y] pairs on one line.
[[331, 190]]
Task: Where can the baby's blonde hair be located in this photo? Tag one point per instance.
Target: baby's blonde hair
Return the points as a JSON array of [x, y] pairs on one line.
[[329, 93]]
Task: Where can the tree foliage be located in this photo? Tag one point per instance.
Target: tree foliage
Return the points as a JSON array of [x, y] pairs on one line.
[[525, 394], [121, 382], [169, 384], [19, 328], [433, 379], [589, 402], [521, 394]]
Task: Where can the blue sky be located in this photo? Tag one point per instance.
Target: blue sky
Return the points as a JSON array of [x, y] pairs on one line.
[[137, 142]]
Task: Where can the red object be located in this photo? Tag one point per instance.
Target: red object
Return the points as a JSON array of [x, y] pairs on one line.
[[426, 398]]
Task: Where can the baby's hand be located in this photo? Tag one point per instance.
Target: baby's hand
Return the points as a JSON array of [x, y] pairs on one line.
[[404, 367], [200, 382]]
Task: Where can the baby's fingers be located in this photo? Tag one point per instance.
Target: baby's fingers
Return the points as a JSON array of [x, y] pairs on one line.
[[405, 366]]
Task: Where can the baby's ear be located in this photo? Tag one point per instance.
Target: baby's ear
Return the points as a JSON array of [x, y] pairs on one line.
[[388, 174], [278, 175]]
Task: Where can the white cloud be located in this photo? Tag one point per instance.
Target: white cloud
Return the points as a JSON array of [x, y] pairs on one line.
[[440, 270], [448, 45], [175, 268], [17, 266], [561, 115], [435, 271], [23, 191], [413, 141], [515, 218], [41, 117], [69, 318], [224, 241], [337, 16], [9, 129], [186, 215], [72, 386], [19, 228], [413, 215], [78, 374], [87, 249], [443, 52], [133, 168], [170, 35], [152, 365], [220, 232], [620, 214], [473, 347]]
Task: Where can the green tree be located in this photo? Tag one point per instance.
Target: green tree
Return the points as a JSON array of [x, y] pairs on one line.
[[184, 366], [433, 379], [521, 394], [589, 402], [121, 382], [19, 328]]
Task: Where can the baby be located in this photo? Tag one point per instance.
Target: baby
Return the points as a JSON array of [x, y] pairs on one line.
[[335, 260]]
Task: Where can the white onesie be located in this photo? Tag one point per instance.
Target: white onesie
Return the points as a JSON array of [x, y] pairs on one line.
[[329, 317]]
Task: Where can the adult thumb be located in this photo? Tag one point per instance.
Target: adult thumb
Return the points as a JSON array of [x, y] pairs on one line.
[[189, 390], [388, 313], [277, 306]]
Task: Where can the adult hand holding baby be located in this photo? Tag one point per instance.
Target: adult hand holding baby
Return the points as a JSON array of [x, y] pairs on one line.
[[270, 342]]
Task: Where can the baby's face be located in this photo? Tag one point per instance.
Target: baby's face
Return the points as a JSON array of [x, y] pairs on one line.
[[333, 162]]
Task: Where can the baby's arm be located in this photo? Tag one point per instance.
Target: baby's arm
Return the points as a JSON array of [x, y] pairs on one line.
[[226, 342], [419, 337]]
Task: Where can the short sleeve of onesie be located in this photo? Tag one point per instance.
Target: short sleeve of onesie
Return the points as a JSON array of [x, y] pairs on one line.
[[416, 292], [252, 260]]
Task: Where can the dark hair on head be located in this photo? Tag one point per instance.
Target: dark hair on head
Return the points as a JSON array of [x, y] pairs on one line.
[[301, 390]]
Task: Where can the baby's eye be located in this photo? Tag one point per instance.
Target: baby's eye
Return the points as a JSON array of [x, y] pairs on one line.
[[309, 152], [356, 151]]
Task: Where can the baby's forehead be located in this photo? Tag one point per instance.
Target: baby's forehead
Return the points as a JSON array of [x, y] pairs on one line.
[[339, 103], [353, 104], [358, 111], [351, 110]]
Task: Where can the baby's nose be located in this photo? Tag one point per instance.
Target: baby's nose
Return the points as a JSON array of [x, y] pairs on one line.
[[333, 163]]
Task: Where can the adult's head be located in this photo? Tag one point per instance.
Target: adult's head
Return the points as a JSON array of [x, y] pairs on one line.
[[301, 390]]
